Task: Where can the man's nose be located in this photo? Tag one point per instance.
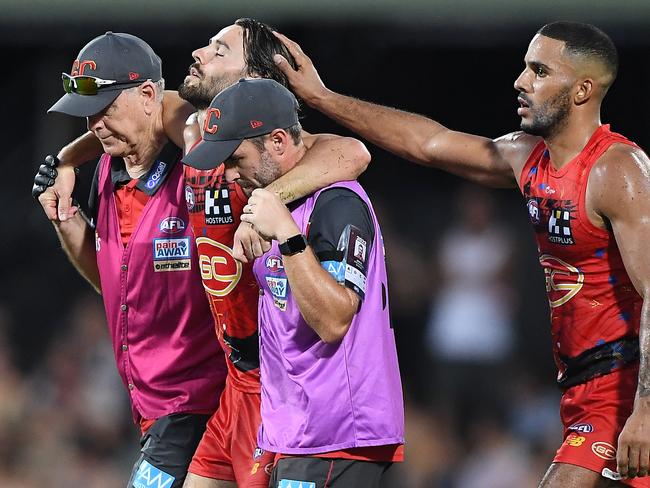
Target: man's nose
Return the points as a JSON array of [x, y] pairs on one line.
[[231, 174], [94, 122], [522, 82], [199, 55]]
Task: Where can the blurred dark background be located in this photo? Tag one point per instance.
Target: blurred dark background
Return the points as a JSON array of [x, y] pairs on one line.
[[467, 295]]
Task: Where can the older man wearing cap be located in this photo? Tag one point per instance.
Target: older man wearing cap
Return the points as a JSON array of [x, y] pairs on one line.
[[228, 450], [332, 404], [141, 255]]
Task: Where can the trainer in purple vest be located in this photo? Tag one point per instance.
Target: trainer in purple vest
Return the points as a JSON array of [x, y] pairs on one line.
[[319, 397], [329, 370]]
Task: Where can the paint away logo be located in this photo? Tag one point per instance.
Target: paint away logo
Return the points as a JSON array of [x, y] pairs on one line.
[[171, 254]]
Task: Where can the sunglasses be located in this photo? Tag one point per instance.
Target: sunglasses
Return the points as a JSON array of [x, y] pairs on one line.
[[89, 85]]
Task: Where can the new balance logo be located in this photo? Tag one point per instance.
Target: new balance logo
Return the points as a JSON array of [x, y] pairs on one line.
[[217, 207]]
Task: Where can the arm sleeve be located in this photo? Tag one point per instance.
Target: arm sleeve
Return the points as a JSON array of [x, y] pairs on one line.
[[341, 233]]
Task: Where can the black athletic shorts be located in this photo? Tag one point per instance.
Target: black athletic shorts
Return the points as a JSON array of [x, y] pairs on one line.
[[313, 472], [167, 449]]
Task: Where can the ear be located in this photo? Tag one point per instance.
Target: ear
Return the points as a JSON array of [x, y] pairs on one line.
[[147, 92], [279, 141], [585, 91]]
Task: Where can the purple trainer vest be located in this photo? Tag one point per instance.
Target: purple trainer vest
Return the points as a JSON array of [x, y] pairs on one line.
[[157, 312], [319, 397]]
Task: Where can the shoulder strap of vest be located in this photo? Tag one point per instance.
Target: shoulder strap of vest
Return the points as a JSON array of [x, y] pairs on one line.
[[533, 158]]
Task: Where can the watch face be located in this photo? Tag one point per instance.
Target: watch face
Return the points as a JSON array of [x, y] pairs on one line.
[[293, 245]]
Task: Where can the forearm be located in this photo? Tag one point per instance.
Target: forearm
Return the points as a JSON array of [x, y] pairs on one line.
[[84, 148], [402, 133], [643, 388], [329, 159], [327, 307], [424, 141], [176, 112], [77, 240]]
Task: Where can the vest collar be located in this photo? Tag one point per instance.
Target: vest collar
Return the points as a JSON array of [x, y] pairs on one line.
[[152, 180]]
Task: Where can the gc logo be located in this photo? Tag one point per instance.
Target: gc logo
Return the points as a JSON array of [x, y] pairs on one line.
[[220, 271], [563, 281], [604, 450]]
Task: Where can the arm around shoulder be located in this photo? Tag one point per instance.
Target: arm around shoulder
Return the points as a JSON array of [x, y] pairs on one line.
[[329, 159], [176, 112]]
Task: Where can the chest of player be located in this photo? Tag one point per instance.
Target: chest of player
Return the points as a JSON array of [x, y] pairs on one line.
[[215, 207], [556, 207], [214, 204]]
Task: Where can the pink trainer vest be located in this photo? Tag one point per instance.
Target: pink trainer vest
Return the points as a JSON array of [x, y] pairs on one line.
[[158, 316]]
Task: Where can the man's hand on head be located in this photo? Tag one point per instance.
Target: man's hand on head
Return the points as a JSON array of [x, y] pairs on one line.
[[269, 216], [304, 81]]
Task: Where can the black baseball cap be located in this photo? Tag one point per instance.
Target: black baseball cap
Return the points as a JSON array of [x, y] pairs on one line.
[[249, 108], [115, 56]]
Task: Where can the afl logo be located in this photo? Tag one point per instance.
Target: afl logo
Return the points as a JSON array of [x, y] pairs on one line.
[[274, 264], [533, 211], [584, 428], [220, 271], [563, 281], [172, 225]]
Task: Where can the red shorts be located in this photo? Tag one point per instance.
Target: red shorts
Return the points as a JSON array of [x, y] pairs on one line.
[[228, 450], [593, 415]]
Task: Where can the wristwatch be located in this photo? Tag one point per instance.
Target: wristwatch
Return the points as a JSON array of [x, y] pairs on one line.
[[293, 245]]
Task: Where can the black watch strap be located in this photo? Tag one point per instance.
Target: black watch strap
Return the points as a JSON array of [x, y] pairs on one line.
[[293, 245]]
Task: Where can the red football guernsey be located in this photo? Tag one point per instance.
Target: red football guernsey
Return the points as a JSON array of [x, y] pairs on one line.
[[591, 297], [215, 208]]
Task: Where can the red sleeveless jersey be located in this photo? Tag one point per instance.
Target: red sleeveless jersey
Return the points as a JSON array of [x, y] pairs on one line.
[[215, 208], [591, 297]]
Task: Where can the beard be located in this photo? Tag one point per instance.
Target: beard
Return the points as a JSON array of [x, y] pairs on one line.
[[201, 93], [550, 117], [268, 170]]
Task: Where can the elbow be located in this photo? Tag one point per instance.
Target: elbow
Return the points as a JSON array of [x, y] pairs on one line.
[[333, 331], [358, 156]]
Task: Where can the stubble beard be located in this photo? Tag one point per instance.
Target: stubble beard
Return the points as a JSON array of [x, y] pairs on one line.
[[201, 94], [268, 171], [551, 117]]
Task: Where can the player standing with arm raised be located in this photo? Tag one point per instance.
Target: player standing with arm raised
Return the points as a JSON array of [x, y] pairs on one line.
[[587, 192]]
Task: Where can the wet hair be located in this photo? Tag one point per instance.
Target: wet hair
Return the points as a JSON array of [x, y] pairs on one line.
[[260, 45], [295, 131], [585, 40]]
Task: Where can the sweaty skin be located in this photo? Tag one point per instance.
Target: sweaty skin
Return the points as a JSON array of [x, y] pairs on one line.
[[617, 187]]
